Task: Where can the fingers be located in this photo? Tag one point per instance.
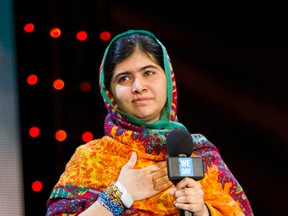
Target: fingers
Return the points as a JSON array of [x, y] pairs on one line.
[[159, 170], [164, 186], [161, 183], [198, 207], [172, 191], [187, 182], [189, 195], [157, 174], [132, 161], [160, 177], [162, 164], [188, 187]]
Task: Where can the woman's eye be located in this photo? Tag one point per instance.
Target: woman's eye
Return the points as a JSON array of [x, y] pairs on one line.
[[148, 73], [123, 79]]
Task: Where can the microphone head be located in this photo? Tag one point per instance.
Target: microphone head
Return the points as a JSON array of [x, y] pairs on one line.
[[179, 142]]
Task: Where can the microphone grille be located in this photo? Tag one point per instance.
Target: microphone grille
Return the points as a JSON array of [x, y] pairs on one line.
[[179, 142]]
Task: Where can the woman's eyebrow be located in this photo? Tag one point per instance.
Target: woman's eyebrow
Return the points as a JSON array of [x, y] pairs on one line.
[[147, 66], [121, 74]]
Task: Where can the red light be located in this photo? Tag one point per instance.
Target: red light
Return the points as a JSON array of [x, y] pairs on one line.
[[37, 186], [58, 84], [105, 35], [87, 136], [85, 86], [60, 135], [34, 132], [29, 27], [32, 79], [55, 32], [82, 35]]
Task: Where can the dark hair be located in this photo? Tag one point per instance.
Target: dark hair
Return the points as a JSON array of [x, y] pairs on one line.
[[124, 47]]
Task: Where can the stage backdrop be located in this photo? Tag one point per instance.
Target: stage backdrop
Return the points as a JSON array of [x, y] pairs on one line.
[[11, 186]]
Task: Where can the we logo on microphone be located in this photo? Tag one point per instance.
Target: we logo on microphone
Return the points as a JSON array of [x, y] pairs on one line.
[[186, 166], [180, 167]]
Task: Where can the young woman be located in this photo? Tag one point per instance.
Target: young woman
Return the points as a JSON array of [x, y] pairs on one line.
[[124, 172]]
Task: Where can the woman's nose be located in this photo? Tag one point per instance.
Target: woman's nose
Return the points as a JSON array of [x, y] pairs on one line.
[[138, 86]]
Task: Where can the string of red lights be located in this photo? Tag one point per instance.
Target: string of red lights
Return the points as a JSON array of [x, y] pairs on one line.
[[58, 84]]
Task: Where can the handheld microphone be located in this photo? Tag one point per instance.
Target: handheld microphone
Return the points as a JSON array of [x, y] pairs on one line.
[[180, 163]]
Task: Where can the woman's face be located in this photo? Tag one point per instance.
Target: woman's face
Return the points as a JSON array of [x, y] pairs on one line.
[[138, 85]]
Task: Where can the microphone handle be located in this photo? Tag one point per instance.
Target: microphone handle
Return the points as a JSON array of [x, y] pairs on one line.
[[185, 213]]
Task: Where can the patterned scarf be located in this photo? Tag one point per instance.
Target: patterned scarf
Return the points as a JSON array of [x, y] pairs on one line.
[[151, 136]]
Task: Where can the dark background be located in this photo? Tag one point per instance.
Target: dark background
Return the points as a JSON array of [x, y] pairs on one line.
[[230, 61]]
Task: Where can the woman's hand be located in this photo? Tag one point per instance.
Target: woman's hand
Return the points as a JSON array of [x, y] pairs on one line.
[[146, 182], [189, 196]]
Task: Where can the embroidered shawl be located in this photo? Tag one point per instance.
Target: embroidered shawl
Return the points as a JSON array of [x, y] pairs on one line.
[[97, 164]]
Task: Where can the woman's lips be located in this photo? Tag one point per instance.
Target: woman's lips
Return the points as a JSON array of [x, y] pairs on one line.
[[140, 101]]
